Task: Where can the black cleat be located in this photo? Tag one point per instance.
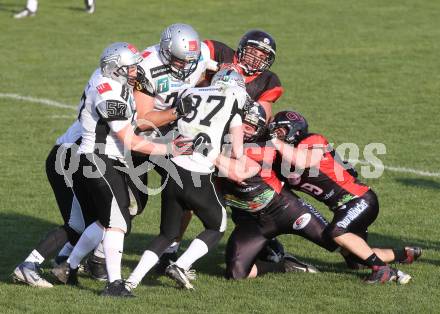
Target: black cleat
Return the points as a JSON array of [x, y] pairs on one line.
[[412, 254], [292, 264], [96, 267], [382, 274], [165, 260], [179, 275], [117, 288], [65, 274]]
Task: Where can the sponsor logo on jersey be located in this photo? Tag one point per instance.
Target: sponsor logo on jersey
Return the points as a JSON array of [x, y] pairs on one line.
[[146, 54], [104, 87], [193, 46], [163, 85], [329, 194], [302, 221], [159, 71], [352, 214]]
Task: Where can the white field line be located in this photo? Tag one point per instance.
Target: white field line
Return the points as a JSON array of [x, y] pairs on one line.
[[422, 173], [41, 101], [52, 103]]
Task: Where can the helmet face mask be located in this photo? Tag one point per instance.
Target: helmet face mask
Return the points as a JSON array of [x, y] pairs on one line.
[[254, 122], [289, 126], [119, 62], [256, 52], [180, 50]]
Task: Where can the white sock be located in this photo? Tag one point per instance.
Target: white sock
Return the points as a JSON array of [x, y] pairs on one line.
[[66, 250], [35, 257], [88, 241], [113, 244], [148, 260], [196, 250], [32, 5], [173, 247], [99, 251]]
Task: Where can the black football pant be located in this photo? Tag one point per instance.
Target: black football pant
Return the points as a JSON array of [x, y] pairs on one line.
[[285, 214]]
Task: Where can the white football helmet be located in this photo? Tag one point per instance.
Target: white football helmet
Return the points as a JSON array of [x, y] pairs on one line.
[[116, 61], [180, 50], [228, 77]]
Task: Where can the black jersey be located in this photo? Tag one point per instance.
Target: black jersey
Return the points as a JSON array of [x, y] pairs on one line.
[[330, 182], [265, 86], [259, 190]]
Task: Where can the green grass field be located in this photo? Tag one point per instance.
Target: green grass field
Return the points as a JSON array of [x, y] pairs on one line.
[[360, 71]]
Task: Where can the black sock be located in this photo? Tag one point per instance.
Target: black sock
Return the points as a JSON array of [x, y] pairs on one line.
[[53, 242], [399, 255], [269, 267], [374, 260]]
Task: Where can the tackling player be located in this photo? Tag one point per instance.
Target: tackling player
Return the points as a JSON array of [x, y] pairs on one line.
[[262, 209], [320, 173], [254, 56]]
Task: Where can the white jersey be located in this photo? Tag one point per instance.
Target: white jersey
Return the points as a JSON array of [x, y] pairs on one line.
[[163, 86], [216, 110], [72, 134], [107, 107]]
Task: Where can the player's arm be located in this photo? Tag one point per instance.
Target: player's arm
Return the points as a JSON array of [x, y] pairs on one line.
[[302, 156], [267, 105], [236, 131], [117, 115], [147, 118], [237, 170]]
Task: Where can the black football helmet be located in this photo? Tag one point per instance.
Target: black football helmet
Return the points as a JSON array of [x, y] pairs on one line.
[[289, 126], [248, 60], [254, 115]]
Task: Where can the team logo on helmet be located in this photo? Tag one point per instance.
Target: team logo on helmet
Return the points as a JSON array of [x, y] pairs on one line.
[[266, 41]]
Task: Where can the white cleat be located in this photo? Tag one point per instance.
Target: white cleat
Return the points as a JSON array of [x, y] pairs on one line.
[[180, 276], [29, 273], [402, 278], [24, 13]]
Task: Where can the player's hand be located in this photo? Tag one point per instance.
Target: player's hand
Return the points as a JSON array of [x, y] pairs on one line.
[[184, 106]]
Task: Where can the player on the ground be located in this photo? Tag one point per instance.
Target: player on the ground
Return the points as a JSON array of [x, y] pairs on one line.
[[215, 113], [262, 209], [254, 56], [100, 182], [311, 165], [67, 235]]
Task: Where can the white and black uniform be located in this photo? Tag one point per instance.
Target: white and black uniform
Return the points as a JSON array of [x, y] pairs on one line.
[[190, 184], [101, 188]]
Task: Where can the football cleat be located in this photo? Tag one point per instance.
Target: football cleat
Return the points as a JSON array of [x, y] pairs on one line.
[[165, 260], [96, 267], [90, 6], [65, 274], [117, 288], [403, 278], [412, 254], [29, 273], [23, 13], [179, 275], [292, 264], [382, 274]]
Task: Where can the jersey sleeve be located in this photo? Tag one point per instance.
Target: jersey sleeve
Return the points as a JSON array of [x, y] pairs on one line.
[[209, 63], [272, 90], [219, 51]]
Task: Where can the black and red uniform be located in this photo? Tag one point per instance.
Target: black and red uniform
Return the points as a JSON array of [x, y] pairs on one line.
[[265, 86], [354, 204], [261, 210]]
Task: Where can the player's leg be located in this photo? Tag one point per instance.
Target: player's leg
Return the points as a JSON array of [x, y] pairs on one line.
[[208, 206], [28, 271], [348, 222], [171, 213]]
